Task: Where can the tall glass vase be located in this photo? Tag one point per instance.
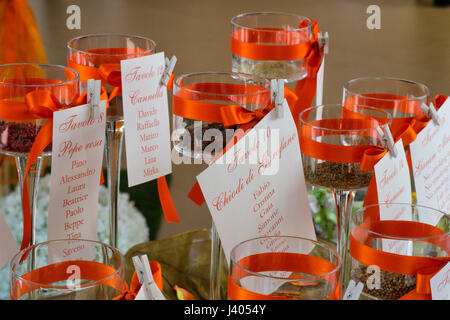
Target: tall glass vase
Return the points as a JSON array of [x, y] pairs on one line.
[[23, 115], [333, 139], [216, 89], [89, 54]]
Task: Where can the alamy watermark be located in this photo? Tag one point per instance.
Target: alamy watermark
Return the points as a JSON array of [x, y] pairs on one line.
[[73, 21], [374, 20]]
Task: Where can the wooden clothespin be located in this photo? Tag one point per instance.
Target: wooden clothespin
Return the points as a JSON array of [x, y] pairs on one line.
[[145, 276], [431, 112], [386, 136], [93, 97], [277, 95], [170, 65]]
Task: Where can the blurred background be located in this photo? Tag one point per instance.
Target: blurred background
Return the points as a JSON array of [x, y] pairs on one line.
[[413, 43]]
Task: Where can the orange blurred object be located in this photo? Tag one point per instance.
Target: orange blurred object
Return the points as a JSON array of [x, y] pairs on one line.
[[20, 40]]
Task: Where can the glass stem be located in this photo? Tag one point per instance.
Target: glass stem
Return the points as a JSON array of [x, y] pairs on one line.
[[113, 153], [344, 203], [216, 264], [32, 182]]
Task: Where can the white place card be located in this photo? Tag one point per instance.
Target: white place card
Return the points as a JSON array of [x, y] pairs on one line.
[[440, 284], [146, 119], [257, 188], [77, 157], [394, 186], [8, 245], [430, 156]]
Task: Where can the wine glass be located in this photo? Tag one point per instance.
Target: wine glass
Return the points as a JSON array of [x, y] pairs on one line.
[[394, 259], [333, 139], [68, 270], [283, 268], [193, 134], [98, 56], [20, 124]]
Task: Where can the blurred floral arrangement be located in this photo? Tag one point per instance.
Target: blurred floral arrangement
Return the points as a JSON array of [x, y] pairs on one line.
[[132, 224], [323, 209]]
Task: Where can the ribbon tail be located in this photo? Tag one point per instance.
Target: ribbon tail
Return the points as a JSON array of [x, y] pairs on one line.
[[43, 138], [290, 97], [168, 207], [196, 194], [305, 90]]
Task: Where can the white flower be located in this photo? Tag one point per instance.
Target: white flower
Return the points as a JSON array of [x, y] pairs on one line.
[[132, 227]]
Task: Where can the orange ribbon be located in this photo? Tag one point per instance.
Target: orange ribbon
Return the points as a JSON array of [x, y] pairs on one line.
[[280, 261], [421, 267], [38, 104], [290, 46], [101, 273], [109, 72]]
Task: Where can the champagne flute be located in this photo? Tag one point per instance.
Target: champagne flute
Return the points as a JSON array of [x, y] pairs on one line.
[[93, 56]]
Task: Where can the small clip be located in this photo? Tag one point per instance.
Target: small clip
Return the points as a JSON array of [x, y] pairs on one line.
[[277, 95], [323, 42], [93, 97], [170, 65], [386, 136], [353, 290], [432, 113], [145, 276], [139, 268]]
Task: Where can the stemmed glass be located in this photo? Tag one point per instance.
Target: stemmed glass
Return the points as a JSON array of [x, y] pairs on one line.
[[304, 270], [192, 137], [98, 56], [67, 275], [20, 125], [333, 139]]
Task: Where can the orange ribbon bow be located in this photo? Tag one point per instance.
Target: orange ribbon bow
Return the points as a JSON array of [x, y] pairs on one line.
[[187, 103], [38, 104]]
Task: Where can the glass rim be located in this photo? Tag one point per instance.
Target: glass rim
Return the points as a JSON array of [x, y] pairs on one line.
[[18, 255], [411, 205], [44, 66], [303, 122], [234, 23], [177, 80], [118, 35], [418, 84], [322, 244]]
